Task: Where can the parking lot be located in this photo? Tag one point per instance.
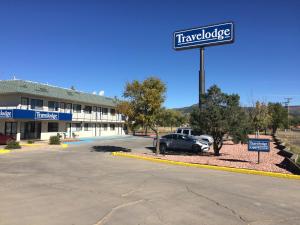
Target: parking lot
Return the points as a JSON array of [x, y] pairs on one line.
[[85, 185]]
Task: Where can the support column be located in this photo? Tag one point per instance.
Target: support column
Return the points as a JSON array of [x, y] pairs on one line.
[[18, 136]]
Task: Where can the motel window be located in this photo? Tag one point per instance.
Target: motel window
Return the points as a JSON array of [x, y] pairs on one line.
[[112, 126], [94, 109], [77, 126], [112, 112], [36, 104], [88, 109], [104, 111], [11, 128], [52, 127], [98, 112], [25, 102], [62, 106], [77, 108], [52, 106], [68, 107], [104, 126], [87, 127]]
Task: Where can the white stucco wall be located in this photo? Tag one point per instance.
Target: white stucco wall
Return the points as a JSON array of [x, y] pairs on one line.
[[45, 135]]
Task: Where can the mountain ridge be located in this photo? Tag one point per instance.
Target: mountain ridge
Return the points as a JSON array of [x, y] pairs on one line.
[[293, 109]]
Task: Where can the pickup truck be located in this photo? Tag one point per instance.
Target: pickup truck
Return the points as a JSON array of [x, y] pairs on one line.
[[189, 131]]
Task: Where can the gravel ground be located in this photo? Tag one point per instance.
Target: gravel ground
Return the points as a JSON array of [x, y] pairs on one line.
[[235, 155]]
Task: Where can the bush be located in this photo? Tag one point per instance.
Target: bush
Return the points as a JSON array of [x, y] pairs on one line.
[[30, 141], [55, 140], [13, 145]]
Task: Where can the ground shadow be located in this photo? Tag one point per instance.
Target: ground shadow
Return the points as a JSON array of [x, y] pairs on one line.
[[109, 148], [282, 151], [287, 165], [228, 143], [185, 152], [234, 160]]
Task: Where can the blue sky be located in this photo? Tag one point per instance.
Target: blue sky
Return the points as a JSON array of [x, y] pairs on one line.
[[101, 45]]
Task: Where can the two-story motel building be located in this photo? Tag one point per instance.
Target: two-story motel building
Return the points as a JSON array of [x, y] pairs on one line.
[[30, 110]]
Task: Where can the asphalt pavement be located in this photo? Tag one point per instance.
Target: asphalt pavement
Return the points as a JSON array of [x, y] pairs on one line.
[[85, 185]]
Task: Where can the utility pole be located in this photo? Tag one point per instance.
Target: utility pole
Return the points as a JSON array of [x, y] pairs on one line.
[[201, 78], [287, 102]]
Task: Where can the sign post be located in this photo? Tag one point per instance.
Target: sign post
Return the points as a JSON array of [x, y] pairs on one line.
[[201, 77], [201, 37], [258, 145]]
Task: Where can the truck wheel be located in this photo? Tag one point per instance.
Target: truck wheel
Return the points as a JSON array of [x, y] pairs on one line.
[[162, 148]]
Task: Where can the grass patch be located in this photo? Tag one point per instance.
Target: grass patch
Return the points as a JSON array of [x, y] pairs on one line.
[[291, 139], [30, 142], [13, 145]]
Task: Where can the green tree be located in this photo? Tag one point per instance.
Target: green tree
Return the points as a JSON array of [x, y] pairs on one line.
[[278, 116], [146, 99], [259, 116], [221, 114], [127, 109], [173, 118]]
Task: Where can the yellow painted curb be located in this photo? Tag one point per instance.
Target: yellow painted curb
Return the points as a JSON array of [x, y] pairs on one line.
[[64, 145], [4, 151], [223, 168]]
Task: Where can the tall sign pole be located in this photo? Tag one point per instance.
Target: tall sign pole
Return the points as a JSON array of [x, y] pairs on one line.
[[200, 37], [201, 78]]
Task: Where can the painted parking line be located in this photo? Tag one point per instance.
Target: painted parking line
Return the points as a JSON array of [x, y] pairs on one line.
[[64, 145], [93, 139], [222, 168], [4, 151]]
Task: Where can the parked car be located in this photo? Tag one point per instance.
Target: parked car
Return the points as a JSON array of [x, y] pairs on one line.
[[5, 138], [189, 131], [181, 141]]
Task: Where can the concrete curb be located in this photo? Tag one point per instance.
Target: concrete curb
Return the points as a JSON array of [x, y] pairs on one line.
[[222, 168]]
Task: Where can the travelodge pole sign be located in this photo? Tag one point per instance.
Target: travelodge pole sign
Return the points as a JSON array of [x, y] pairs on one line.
[[200, 37]]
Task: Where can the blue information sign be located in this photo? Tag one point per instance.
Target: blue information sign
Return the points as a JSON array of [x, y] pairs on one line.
[[259, 145], [204, 36]]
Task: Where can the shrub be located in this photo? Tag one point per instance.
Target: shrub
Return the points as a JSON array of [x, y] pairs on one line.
[[13, 145], [54, 140], [30, 141]]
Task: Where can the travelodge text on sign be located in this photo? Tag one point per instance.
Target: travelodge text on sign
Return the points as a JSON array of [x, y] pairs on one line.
[[204, 36], [6, 113]]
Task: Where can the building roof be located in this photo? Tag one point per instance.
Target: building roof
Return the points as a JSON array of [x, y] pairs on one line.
[[44, 90]]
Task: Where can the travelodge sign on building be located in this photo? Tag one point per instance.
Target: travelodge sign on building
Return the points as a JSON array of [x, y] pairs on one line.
[[34, 115]]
